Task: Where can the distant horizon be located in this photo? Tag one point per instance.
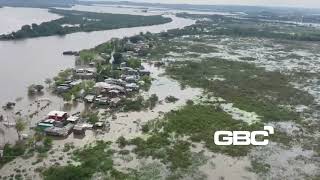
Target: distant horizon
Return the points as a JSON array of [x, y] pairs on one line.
[[312, 4]]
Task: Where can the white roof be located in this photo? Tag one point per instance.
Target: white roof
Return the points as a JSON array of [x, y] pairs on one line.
[[74, 83], [99, 123], [90, 96], [86, 125], [73, 118], [57, 113], [132, 85], [108, 86], [51, 121]]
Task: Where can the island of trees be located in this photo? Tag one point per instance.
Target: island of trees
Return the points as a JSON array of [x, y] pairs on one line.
[[79, 21]]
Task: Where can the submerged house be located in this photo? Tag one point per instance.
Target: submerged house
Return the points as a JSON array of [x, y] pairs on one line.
[[62, 88], [79, 130], [59, 131], [58, 115], [73, 119], [85, 73], [131, 78], [103, 87], [46, 124], [100, 100], [89, 98], [118, 82], [129, 71], [132, 86], [144, 73]]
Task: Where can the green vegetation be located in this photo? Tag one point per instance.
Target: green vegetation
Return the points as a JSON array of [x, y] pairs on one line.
[[11, 152], [91, 117], [62, 77], [250, 88], [79, 21], [134, 63], [248, 27], [133, 104], [122, 142], [117, 58], [87, 56], [158, 147], [259, 168], [20, 126], [139, 103], [68, 146], [198, 123], [93, 159], [171, 99], [152, 101]]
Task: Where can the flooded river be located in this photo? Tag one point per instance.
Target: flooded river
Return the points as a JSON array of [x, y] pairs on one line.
[[31, 61], [13, 18]]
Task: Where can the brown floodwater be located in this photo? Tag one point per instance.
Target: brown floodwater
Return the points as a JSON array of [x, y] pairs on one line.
[[31, 61]]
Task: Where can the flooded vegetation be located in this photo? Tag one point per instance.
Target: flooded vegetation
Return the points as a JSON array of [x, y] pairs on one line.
[[78, 21], [146, 106]]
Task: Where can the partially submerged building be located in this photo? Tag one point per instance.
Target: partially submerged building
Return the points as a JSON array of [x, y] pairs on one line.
[[58, 115]]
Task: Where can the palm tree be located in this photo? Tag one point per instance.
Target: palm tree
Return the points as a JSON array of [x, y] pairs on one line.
[[20, 126]]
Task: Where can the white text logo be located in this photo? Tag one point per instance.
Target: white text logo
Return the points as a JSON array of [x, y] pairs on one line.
[[242, 138]]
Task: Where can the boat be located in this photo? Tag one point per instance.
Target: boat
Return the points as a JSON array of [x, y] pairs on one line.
[[71, 53]]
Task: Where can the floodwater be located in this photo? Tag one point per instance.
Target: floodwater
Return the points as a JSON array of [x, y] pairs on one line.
[[140, 10], [31, 61], [136, 10], [13, 18], [126, 124]]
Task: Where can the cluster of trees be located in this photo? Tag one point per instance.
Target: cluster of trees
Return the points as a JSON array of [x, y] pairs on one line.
[[76, 21], [139, 103], [92, 159], [253, 26]]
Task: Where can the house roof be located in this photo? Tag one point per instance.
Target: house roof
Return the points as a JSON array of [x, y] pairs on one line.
[[108, 86], [73, 118], [57, 113], [90, 97]]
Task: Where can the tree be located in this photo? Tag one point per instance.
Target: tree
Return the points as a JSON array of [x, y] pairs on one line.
[[38, 87], [31, 90], [153, 101], [93, 117], [26, 28], [117, 58], [67, 96], [20, 126], [88, 85], [122, 142], [134, 63], [48, 81]]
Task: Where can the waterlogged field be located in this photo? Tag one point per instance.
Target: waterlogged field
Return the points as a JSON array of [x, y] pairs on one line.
[[202, 80], [248, 82]]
